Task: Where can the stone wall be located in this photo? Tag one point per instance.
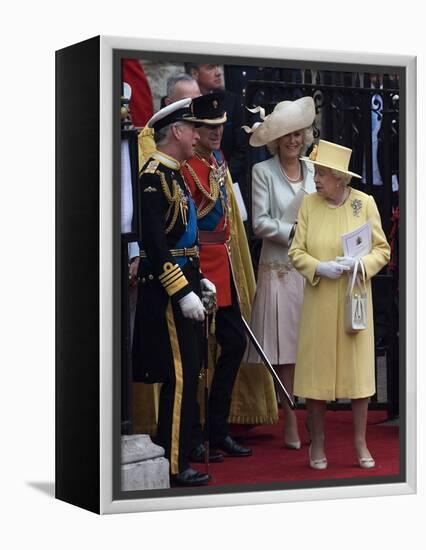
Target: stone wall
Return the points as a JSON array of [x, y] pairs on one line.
[[157, 73]]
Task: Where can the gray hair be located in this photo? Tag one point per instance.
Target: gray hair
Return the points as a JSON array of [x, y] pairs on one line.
[[173, 80], [344, 179], [308, 139], [162, 136]]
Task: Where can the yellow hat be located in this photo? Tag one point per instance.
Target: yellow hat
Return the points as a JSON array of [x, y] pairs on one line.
[[332, 156]]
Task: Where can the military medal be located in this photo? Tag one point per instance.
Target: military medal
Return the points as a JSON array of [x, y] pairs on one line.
[[184, 209]]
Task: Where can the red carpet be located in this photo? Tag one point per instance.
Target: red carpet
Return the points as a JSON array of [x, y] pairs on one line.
[[271, 462]]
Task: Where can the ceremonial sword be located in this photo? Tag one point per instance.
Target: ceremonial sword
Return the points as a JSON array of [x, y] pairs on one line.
[[266, 362]]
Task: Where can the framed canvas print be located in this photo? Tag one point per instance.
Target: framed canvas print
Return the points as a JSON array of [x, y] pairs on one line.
[[235, 259]]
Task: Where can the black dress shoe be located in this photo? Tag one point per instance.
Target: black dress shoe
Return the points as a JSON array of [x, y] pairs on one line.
[[198, 455], [189, 478], [231, 447]]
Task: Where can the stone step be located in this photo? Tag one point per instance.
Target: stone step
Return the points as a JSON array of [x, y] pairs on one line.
[[138, 447], [147, 474]]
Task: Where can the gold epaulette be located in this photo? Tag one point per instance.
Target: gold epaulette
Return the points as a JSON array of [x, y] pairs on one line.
[[151, 167]]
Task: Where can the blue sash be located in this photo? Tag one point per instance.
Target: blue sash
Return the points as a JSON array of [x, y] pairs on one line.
[[187, 240]]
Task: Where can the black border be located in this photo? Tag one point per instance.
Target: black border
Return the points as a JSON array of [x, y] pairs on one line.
[[118, 56], [77, 414]]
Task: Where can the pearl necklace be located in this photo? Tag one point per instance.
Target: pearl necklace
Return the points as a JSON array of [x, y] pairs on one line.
[[292, 180]]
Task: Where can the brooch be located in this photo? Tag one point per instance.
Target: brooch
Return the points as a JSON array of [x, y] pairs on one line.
[[356, 206]]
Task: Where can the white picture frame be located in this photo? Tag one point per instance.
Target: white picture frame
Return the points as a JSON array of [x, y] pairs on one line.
[[108, 503]]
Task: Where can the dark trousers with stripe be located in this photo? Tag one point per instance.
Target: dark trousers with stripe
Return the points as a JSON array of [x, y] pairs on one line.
[[230, 335], [178, 393]]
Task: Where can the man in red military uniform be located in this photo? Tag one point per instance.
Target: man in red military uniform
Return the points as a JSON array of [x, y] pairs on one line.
[[206, 174]]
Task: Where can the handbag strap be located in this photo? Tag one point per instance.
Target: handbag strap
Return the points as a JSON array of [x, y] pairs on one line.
[[360, 280], [363, 276]]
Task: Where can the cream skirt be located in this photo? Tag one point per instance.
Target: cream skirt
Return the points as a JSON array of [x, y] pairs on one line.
[[276, 313]]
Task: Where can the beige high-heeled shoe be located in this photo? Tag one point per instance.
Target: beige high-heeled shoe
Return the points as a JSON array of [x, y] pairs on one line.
[[366, 462], [293, 445], [319, 463]]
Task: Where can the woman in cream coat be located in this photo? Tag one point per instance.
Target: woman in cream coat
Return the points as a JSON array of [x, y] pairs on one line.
[[332, 363], [278, 185]]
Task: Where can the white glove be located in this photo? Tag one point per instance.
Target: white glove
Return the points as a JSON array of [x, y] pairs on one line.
[[331, 269], [191, 307], [207, 286], [208, 290], [348, 261]]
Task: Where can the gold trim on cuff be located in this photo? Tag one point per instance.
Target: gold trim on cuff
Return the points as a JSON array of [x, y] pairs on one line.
[[165, 279], [175, 286]]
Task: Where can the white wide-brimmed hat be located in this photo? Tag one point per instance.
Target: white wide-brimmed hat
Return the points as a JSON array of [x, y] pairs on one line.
[[331, 155], [287, 117]]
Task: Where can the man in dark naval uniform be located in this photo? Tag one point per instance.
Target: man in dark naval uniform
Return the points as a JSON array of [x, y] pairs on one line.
[[169, 312]]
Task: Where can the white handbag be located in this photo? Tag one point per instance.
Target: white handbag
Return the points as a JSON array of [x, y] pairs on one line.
[[356, 300]]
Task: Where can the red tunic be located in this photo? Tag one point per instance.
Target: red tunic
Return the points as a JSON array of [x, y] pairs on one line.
[[214, 257]]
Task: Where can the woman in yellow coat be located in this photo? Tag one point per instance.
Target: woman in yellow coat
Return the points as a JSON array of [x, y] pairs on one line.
[[332, 363]]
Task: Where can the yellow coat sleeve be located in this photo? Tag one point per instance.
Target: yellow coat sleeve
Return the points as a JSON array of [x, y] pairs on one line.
[[305, 264], [380, 249]]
